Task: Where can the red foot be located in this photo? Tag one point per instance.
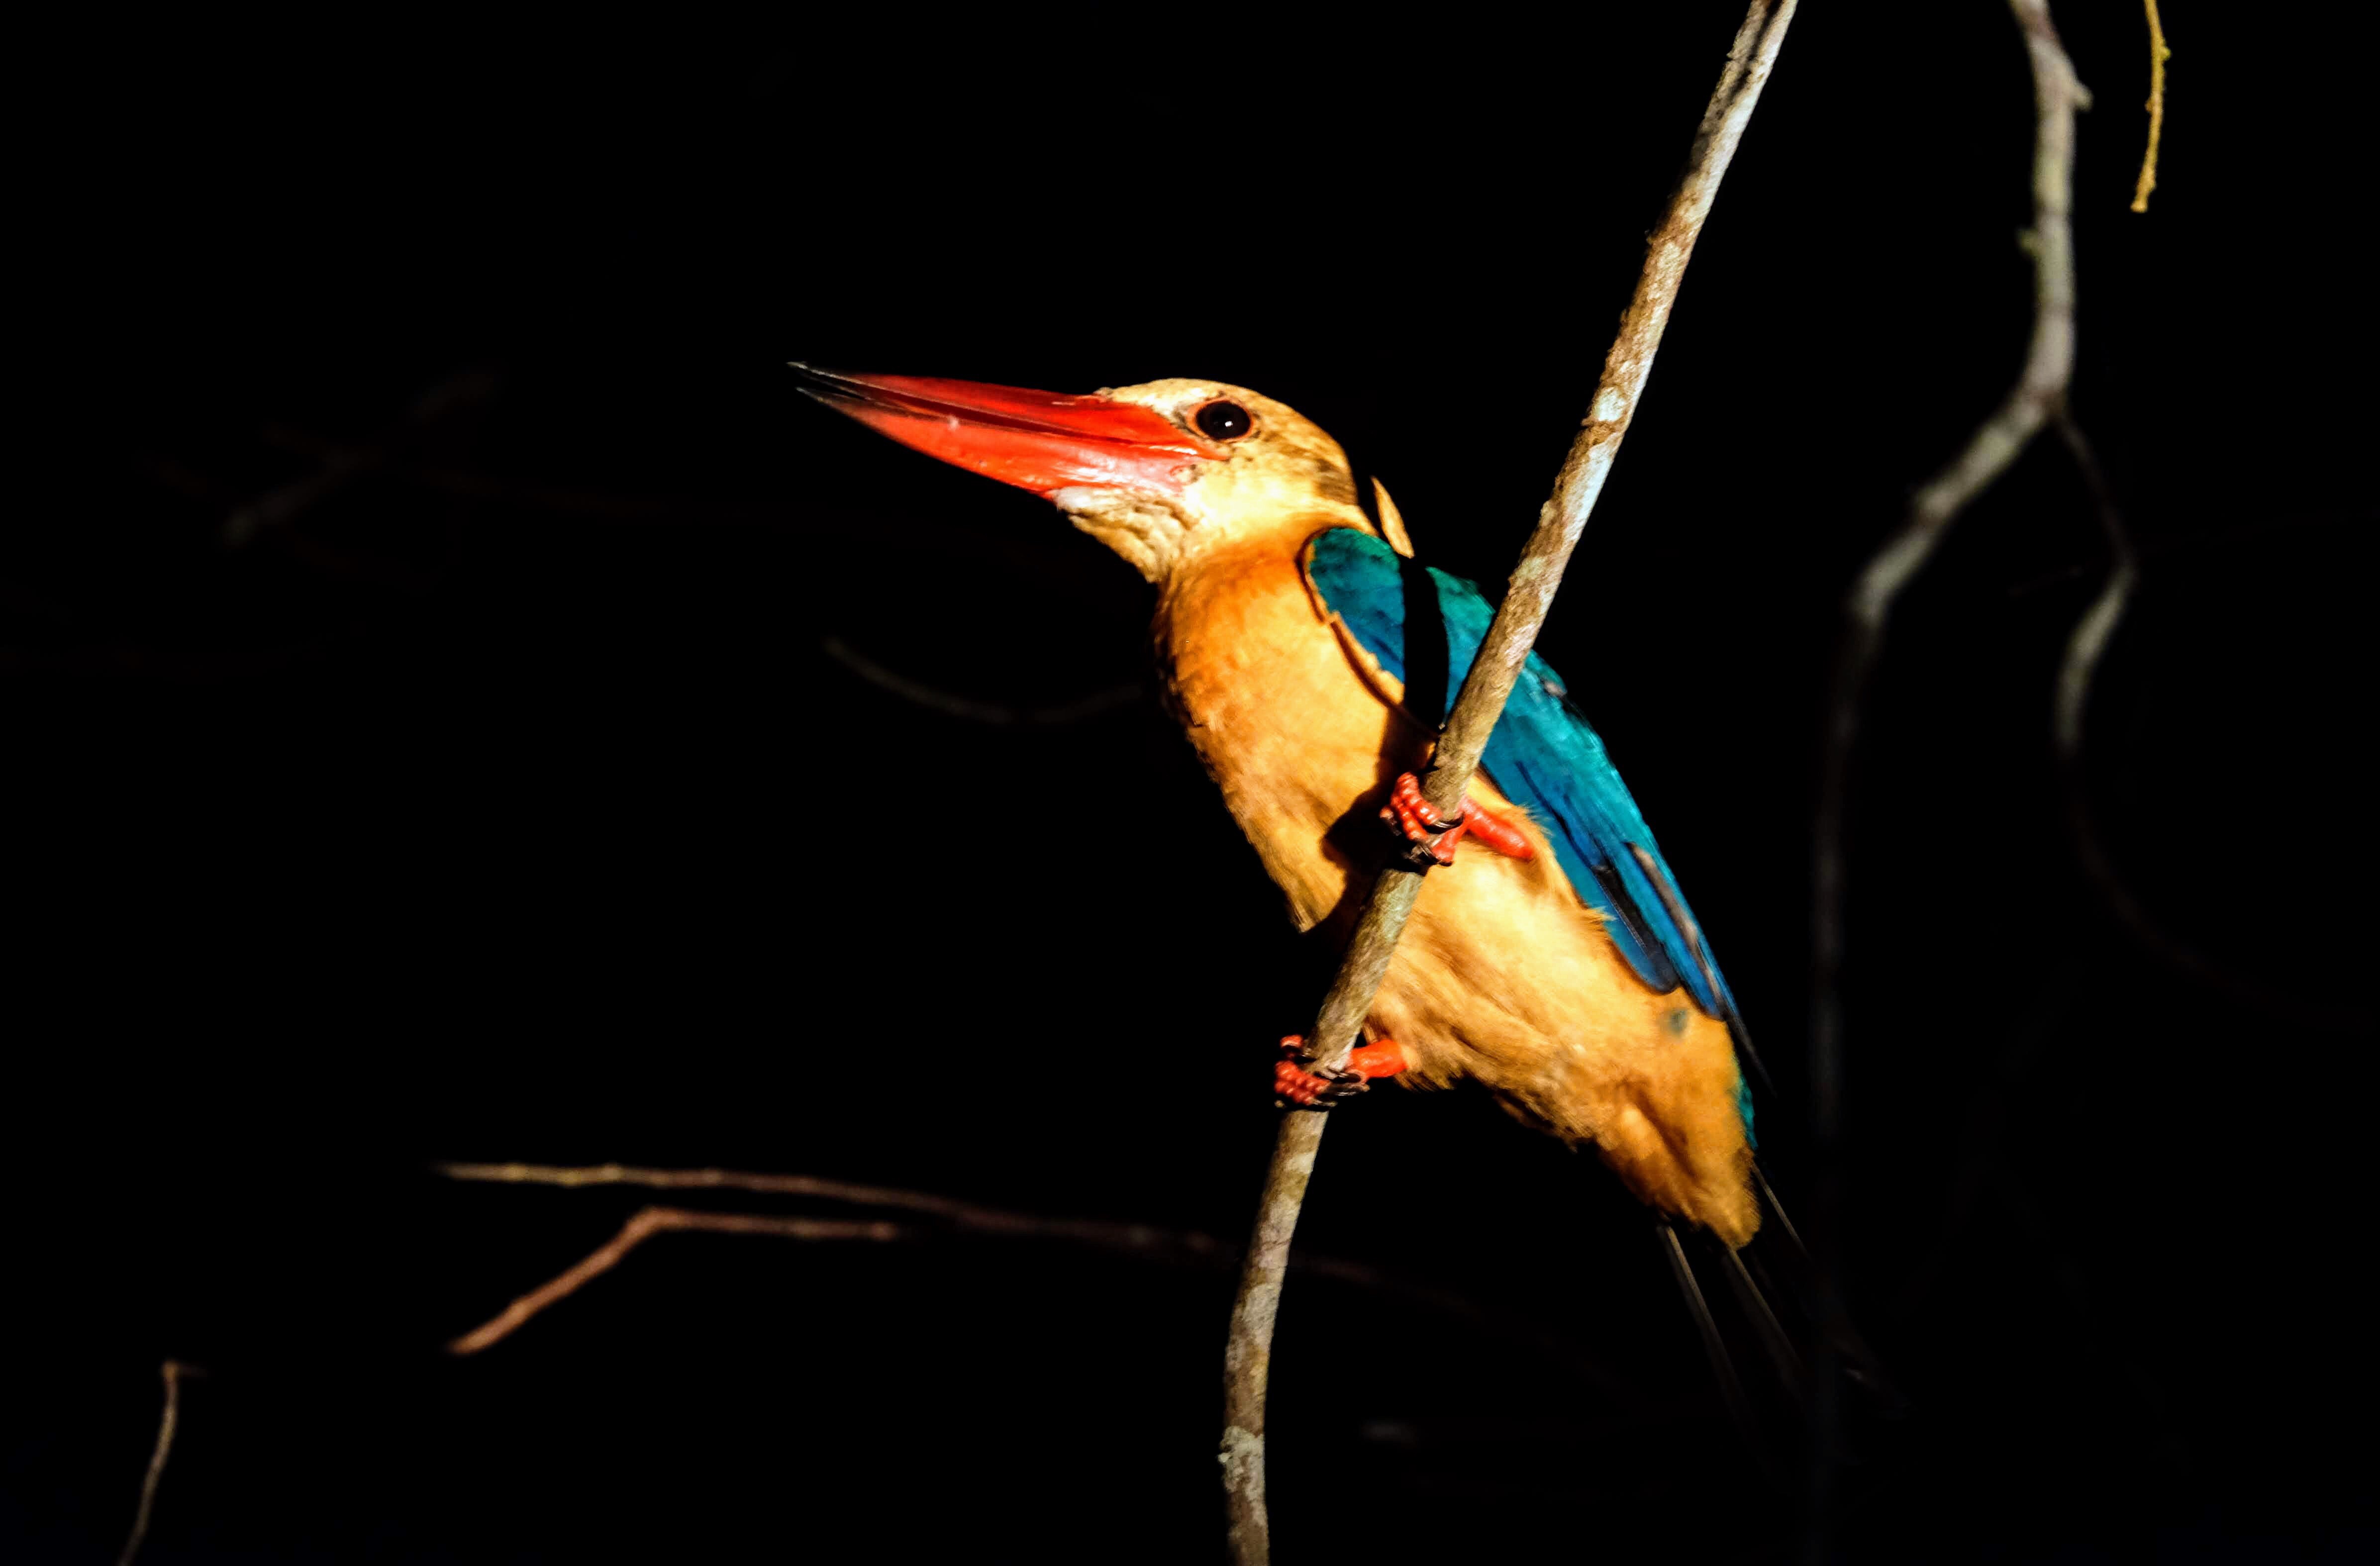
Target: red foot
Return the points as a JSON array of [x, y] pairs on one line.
[[1296, 1080], [1431, 833]]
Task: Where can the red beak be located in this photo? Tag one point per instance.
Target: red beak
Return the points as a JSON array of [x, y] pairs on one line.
[[1038, 441]]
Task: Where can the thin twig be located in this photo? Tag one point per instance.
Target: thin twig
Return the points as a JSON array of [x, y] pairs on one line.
[[2038, 394], [1143, 1241], [2085, 649], [173, 1373], [1247, 1356], [2091, 634], [2076, 672], [2158, 56], [647, 1223], [959, 1214]]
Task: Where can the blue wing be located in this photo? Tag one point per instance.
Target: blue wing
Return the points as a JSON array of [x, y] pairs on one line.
[[1425, 628]]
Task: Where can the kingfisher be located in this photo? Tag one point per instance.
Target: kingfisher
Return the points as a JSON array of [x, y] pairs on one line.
[[1312, 662]]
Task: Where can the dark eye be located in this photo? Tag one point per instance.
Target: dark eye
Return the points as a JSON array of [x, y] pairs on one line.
[[1222, 421]]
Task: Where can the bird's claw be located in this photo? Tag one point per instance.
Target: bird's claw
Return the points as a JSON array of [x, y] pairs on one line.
[[1426, 833], [1300, 1084], [1431, 839]]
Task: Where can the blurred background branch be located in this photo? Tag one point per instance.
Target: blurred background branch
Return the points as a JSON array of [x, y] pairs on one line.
[[2038, 395]]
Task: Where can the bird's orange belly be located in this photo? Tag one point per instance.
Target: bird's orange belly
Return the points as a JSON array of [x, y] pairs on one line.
[[1502, 974]]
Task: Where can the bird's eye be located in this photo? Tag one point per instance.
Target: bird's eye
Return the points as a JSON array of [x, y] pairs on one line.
[[1222, 421]]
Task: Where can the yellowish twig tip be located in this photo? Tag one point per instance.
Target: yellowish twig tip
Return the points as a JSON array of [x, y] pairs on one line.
[[2158, 56]]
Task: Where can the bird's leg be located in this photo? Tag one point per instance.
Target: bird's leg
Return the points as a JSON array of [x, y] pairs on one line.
[[1298, 1083], [1431, 838]]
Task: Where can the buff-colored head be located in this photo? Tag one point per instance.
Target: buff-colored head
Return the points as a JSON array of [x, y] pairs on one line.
[[1156, 472], [1271, 467]]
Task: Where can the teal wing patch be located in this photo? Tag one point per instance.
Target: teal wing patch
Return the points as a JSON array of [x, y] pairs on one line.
[[1425, 628]]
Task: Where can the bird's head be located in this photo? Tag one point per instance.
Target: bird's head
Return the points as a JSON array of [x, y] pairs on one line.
[[1157, 472]]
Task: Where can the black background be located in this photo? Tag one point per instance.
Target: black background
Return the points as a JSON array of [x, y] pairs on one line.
[[499, 795]]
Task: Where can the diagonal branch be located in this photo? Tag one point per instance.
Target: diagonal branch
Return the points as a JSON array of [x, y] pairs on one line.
[[1247, 1356], [648, 1223], [174, 1373]]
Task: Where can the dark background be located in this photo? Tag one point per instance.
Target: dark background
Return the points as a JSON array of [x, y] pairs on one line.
[[428, 739]]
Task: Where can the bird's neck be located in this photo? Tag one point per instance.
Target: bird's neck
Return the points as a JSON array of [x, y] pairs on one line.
[[1268, 533], [1231, 598], [1274, 705]]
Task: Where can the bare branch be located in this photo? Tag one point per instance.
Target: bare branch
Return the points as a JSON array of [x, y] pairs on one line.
[[2039, 394], [1140, 1237], [647, 1223], [1247, 1356], [1143, 1241], [173, 1373]]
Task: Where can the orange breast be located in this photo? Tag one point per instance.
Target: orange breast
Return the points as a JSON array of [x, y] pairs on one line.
[[1502, 975]]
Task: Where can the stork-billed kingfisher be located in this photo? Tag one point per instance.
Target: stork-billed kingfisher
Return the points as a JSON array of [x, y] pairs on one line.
[[1312, 663]]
